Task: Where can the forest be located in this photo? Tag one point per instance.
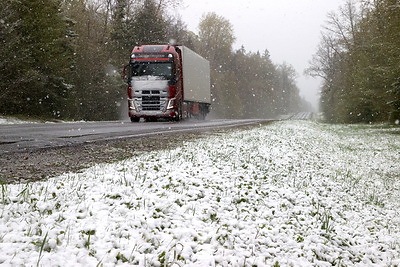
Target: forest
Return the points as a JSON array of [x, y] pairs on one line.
[[358, 59], [63, 59]]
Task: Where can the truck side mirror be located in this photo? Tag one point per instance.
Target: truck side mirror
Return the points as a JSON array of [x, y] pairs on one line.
[[172, 81], [127, 73], [175, 77]]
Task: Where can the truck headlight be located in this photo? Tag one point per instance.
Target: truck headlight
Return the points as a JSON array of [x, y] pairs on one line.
[[171, 103], [133, 105]]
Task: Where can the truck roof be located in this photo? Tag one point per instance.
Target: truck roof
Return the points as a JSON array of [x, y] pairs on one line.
[[154, 49]]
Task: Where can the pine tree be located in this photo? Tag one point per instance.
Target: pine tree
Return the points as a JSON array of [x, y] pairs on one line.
[[10, 62], [149, 24], [37, 82]]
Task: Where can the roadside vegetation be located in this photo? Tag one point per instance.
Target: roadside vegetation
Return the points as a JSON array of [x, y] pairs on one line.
[[292, 193], [358, 59]]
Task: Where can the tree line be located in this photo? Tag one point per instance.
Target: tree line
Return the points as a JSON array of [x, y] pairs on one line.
[[63, 59], [359, 60]]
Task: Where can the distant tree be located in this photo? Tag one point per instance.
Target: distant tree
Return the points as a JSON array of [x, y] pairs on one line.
[[331, 60], [380, 30], [327, 63], [216, 38], [178, 33], [358, 59], [10, 62], [215, 42], [244, 84], [149, 24], [254, 74], [98, 89], [122, 36], [395, 103], [289, 98], [38, 84]]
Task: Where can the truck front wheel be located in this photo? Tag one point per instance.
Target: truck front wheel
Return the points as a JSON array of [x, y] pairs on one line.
[[178, 116], [204, 109]]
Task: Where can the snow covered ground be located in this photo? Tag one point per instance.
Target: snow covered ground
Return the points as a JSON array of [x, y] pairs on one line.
[[293, 193], [13, 120], [10, 120]]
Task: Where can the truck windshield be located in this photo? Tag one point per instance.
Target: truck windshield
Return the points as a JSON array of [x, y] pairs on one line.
[[161, 69]]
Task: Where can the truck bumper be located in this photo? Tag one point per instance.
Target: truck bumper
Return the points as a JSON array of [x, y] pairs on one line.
[[134, 112], [152, 114]]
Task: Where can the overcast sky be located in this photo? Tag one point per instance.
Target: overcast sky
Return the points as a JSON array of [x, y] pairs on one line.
[[289, 29]]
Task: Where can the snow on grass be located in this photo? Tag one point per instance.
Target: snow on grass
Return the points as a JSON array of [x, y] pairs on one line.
[[14, 120], [11, 120], [292, 193]]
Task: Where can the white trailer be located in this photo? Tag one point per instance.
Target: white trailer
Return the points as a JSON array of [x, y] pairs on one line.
[[196, 77]]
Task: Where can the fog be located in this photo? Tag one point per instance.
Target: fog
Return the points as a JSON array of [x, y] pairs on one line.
[[289, 29]]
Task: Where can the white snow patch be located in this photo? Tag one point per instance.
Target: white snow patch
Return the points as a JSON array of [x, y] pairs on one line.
[[11, 120], [292, 193]]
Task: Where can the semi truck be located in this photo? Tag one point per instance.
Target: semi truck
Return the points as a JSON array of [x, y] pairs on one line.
[[167, 81]]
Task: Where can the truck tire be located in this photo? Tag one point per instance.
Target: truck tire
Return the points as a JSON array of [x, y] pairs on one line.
[[133, 119], [180, 114], [203, 111]]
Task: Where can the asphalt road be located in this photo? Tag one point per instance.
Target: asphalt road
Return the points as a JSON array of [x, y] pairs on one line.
[[23, 137]]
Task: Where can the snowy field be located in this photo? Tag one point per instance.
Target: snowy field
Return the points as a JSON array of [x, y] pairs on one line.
[[293, 193]]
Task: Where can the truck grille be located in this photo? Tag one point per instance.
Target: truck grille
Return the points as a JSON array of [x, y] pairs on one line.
[[151, 100]]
